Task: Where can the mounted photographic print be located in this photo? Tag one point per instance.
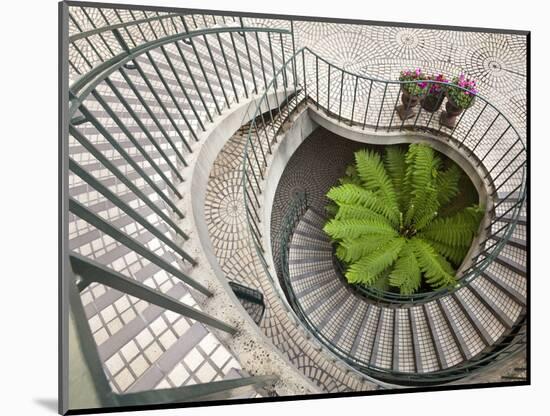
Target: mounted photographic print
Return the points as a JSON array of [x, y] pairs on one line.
[[257, 207]]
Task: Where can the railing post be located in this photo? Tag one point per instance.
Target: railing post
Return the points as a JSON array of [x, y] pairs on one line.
[[354, 99]]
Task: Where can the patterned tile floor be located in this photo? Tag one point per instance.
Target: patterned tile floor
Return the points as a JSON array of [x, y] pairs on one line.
[[497, 61]]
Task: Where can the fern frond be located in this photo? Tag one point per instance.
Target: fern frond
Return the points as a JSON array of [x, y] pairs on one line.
[[447, 184], [395, 165], [351, 194], [406, 274], [368, 268], [353, 250], [437, 271], [457, 230], [421, 173], [373, 174], [454, 254], [357, 212], [350, 229]]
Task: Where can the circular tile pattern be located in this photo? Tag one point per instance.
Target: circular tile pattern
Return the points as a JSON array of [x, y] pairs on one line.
[[495, 65], [407, 43], [345, 49]]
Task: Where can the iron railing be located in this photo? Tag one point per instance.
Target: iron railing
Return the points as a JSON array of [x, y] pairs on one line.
[[92, 42], [124, 166], [498, 151], [482, 132], [509, 344]]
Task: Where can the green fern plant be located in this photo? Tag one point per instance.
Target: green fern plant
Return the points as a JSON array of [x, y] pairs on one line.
[[386, 224]]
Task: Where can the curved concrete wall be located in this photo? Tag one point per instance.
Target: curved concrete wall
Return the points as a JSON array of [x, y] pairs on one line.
[[255, 352]]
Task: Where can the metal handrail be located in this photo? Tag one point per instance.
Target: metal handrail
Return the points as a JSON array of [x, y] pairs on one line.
[[485, 257], [81, 117], [255, 163], [143, 30], [85, 84], [509, 345]]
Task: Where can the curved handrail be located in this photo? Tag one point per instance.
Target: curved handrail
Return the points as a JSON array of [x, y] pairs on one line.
[[252, 164], [124, 25], [467, 276], [85, 84], [138, 30], [485, 257], [295, 210]]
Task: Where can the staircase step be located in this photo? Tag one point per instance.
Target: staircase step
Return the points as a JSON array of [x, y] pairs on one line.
[[510, 291], [521, 219], [364, 342], [311, 235], [511, 264], [482, 294], [448, 349], [465, 333], [382, 352], [308, 247], [468, 310], [513, 196], [425, 354], [512, 241]]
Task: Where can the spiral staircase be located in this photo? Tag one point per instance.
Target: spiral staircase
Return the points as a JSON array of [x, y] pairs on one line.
[[179, 291]]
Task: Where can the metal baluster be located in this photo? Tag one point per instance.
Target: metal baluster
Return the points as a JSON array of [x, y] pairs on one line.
[[294, 70], [199, 61], [140, 29], [236, 51], [393, 111], [150, 26], [341, 94], [328, 89], [472, 126], [88, 41], [317, 78], [135, 142], [252, 169], [507, 178], [125, 28], [216, 69], [100, 34], [274, 81], [160, 102], [122, 177], [354, 99], [283, 73], [228, 69], [304, 73], [162, 24], [249, 58], [367, 107], [127, 209], [381, 107], [192, 78], [494, 144], [502, 157], [183, 89], [484, 134], [171, 94]]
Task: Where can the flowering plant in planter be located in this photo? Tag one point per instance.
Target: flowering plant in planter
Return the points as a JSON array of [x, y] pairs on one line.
[[458, 99], [413, 88], [435, 94], [462, 98], [411, 92]]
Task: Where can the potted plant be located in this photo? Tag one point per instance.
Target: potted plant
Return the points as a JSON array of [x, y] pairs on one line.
[[435, 94], [460, 96], [411, 92]]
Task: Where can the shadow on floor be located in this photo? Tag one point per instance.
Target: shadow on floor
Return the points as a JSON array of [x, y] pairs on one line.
[[49, 404]]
